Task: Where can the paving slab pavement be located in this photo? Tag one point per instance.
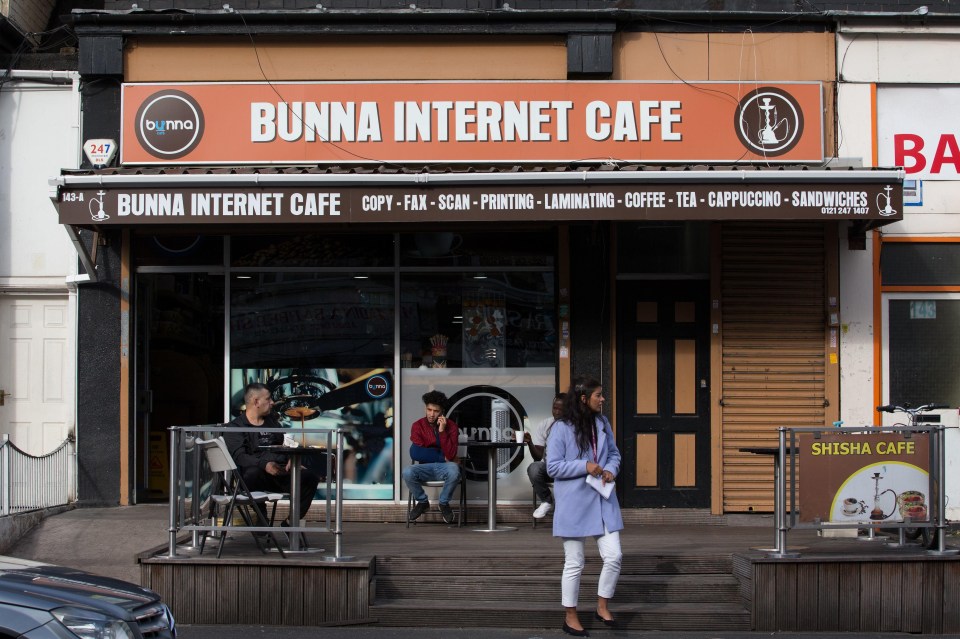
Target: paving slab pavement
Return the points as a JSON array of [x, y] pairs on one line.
[[104, 541]]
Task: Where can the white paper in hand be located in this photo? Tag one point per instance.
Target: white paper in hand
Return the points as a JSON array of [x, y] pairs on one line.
[[597, 484]]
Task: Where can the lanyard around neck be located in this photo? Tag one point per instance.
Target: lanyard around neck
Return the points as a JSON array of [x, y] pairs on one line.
[[593, 441]]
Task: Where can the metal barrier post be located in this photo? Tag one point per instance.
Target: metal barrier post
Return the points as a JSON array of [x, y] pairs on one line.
[[780, 486], [780, 497], [338, 519], [330, 471], [939, 471], [5, 481], [174, 480], [195, 498]]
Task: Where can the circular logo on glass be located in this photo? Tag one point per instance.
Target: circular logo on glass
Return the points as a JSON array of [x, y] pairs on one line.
[[488, 414], [169, 124], [769, 121], [378, 386]]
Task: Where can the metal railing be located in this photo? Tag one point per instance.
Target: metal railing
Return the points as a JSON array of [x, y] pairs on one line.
[[30, 482], [786, 508], [190, 483]]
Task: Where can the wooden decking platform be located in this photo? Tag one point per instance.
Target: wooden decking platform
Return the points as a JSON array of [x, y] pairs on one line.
[[683, 570]]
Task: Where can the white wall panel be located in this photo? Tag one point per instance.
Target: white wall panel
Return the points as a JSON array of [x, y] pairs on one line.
[[39, 135], [898, 59], [856, 333], [855, 135], [857, 58]]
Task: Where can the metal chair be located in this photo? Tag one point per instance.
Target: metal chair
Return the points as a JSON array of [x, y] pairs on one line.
[[234, 496], [462, 487]]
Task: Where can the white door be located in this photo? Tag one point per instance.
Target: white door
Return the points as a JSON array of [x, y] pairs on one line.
[[36, 371]]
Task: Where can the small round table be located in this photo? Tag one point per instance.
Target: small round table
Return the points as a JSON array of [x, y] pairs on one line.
[[492, 448], [295, 453]]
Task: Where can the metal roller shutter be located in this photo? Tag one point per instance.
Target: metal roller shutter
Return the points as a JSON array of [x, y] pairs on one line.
[[773, 348]]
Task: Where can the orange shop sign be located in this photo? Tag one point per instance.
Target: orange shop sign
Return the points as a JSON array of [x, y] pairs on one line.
[[309, 123]]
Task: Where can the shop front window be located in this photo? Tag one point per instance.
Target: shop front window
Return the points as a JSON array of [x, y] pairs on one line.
[[513, 249], [178, 249], [923, 342], [479, 320], [922, 329], [312, 250], [484, 332], [321, 342], [323, 319]]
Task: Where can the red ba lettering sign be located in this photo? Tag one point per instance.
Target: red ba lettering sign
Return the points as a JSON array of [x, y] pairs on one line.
[[917, 130]]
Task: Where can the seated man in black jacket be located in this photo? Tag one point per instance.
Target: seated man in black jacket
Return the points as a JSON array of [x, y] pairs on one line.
[[263, 469]]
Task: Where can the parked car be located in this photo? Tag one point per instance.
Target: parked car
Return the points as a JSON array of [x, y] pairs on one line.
[[41, 601]]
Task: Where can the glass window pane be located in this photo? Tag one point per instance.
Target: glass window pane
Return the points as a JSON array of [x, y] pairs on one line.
[[443, 248], [920, 264], [324, 342], [454, 320], [924, 347], [177, 249], [291, 320], [663, 247], [312, 249]]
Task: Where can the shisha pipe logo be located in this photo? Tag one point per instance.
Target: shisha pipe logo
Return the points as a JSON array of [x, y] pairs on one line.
[[769, 121], [884, 207], [169, 124], [99, 215]]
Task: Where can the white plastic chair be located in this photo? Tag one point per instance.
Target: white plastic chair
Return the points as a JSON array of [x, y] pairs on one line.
[[236, 496]]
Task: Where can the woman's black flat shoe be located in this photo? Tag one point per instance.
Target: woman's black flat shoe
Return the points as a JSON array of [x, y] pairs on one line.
[[609, 623], [576, 633]]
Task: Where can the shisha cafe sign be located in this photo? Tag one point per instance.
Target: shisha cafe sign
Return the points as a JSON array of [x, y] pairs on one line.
[[296, 123], [851, 478]]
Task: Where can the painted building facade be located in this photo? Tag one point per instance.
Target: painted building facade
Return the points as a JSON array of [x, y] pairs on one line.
[[484, 202]]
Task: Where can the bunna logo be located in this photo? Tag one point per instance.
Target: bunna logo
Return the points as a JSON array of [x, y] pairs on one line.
[[169, 124]]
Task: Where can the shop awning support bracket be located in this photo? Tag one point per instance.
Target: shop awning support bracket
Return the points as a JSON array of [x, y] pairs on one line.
[[89, 261]]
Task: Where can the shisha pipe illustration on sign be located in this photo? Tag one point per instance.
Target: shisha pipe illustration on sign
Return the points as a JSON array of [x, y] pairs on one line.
[[768, 133], [877, 513], [100, 215], [885, 209]]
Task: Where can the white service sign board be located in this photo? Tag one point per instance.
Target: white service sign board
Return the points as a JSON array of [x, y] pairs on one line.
[[917, 129]]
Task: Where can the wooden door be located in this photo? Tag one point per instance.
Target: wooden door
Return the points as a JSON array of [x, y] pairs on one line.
[[663, 410]]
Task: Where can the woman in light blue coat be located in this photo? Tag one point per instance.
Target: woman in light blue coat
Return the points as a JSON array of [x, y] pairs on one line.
[[581, 444]]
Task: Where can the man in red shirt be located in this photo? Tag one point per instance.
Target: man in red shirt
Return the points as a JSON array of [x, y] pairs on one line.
[[433, 444]]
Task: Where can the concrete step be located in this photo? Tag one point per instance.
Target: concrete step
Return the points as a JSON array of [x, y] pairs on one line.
[[516, 612], [672, 589], [452, 563]]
